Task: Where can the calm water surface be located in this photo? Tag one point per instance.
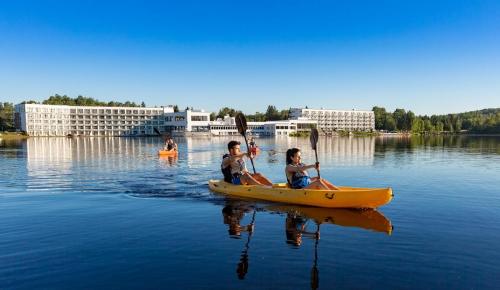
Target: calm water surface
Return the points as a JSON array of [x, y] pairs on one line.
[[93, 213]]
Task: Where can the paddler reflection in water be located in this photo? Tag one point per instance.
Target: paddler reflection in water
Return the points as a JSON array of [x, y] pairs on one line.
[[233, 214], [234, 169], [295, 228]]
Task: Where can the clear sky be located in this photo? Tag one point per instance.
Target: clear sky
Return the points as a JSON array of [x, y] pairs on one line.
[[426, 56]]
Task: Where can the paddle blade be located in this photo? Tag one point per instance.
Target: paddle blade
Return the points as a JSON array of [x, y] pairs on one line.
[[156, 130], [241, 123], [314, 138]]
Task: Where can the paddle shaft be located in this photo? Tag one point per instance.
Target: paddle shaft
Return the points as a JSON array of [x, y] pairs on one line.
[[316, 154], [314, 270]]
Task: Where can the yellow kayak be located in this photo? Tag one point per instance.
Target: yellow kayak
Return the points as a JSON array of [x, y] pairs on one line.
[[345, 197]]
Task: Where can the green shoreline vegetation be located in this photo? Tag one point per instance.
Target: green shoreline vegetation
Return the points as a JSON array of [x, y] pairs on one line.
[[485, 121], [12, 135]]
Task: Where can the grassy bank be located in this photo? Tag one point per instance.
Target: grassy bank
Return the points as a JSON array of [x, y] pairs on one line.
[[12, 135]]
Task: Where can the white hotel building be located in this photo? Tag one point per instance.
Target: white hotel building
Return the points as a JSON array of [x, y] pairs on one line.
[[332, 120], [56, 120], [227, 126]]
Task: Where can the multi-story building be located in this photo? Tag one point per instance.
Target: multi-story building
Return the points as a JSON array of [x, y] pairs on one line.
[[61, 120], [332, 120], [227, 126]]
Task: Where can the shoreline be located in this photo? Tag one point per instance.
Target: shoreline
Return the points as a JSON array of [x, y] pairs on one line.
[[12, 136]]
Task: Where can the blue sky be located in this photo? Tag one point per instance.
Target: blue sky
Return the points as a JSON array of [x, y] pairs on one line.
[[426, 56]]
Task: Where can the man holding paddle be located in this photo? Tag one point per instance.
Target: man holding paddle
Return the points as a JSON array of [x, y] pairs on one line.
[[234, 166]]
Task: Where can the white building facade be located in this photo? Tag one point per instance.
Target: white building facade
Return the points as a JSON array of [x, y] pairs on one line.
[[227, 126], [61, 120], [332, 120]]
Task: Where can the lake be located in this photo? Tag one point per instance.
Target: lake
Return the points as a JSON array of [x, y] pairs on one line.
[[95, 213]]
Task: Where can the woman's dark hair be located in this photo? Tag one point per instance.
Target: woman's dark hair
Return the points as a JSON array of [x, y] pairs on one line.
[[289, 155]]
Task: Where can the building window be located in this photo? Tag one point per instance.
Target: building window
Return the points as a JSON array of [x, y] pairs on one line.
[[199, 118]]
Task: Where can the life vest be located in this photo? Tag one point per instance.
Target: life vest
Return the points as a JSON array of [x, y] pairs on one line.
[[227, 171], [298, 179]]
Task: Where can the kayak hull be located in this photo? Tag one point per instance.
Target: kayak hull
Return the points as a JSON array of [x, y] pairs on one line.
[[367, 219], [168, 152], [345, 197]]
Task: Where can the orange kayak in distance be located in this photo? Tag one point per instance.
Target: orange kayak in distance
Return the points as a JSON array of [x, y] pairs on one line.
[[172, 152]]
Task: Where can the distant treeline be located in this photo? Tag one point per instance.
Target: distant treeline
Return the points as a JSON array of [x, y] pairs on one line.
[[83, 101], [271, 114], [6, 116], [482, 121]]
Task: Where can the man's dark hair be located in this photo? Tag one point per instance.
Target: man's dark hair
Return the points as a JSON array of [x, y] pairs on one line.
[[231, 144]]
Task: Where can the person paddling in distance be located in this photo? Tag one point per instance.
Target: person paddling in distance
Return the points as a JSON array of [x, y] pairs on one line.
[[296, 173], [234, 168], [170, 144]]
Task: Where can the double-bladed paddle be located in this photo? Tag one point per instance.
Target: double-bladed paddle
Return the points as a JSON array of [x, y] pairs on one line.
[[314, 142], [241, 123]]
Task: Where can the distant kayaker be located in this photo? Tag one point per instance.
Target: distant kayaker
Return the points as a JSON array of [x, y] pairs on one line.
[[296, 173], [234, 168], [252, 143], [170, 144]]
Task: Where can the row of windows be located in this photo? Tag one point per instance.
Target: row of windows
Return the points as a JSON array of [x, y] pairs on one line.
[[94, 111], [116, 111], [89, 127]]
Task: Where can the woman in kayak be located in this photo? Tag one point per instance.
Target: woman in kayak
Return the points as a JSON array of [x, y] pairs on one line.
[[234, 168], [296, 173]]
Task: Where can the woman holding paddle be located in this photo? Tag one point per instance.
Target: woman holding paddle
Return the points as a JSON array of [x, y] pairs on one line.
[[296, 173]]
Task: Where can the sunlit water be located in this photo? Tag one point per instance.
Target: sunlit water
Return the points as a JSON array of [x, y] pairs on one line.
[[92, 213]]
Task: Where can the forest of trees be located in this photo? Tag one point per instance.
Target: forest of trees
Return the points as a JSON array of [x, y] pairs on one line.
[[271, 114], [482, 121], [6, 116]]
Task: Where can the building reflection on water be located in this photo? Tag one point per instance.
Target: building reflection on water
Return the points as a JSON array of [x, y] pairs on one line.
[[61, 161], [299, 222], [358, 151]]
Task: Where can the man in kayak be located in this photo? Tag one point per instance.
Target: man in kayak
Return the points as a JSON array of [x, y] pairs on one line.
[[234, 168], [296, 173]]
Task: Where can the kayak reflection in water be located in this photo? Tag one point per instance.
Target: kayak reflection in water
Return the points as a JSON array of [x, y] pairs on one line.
[[295, 228], [169, 160], [233, 214], [297, 176]]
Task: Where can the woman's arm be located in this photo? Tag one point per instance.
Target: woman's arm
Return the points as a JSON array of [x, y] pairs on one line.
[[293, 169]]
